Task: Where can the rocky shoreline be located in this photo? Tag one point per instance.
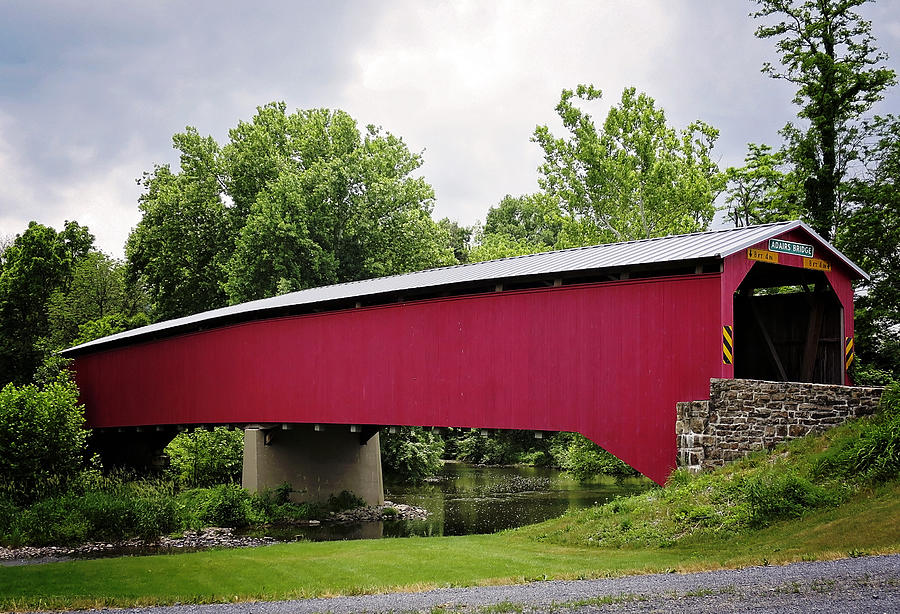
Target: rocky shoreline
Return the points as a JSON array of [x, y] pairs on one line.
[[204, 539]]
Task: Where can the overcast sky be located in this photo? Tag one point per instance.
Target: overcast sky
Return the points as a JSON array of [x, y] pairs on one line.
[[92, 92]]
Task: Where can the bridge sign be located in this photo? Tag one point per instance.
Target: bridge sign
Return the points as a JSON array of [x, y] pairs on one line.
[[789, 247]]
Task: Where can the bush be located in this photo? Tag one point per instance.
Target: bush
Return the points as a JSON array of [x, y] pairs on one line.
[[412, 454], [874, 455], [346, 500], [584, 459], [42, 442], [202, 458], [498, 448], [779, 495], [225, 505]]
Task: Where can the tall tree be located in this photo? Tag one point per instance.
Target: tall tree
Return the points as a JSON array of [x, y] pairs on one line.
[[38, 262], [97, 290], [635, 177], [291, 201], [827, 50], [179, 249], [871, 237], [534, 218], [459, 238]]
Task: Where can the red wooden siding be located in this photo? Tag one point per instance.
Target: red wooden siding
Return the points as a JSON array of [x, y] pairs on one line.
[[607, 360]]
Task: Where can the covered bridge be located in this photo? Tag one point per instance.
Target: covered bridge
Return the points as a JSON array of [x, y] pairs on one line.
[[601, 340]]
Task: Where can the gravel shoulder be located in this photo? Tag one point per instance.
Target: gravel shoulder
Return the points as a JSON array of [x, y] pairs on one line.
[[855, 585]]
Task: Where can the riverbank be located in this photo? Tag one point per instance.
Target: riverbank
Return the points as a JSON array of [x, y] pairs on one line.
[[868, 525], [821, 498], [195, 540]]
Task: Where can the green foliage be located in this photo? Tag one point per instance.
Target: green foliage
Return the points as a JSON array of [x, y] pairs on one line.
[[584, 459], [633, 178], [871, 237], [292, 201], [179, 248], [535, 219], [96, 292], [458, 237], [345, 500], [108, 325], [42, 439], [827, 51], [412, 453], [873, 456], [202, 458], [818, 471], [763, 190], [777, 495], [224, 505], [478, 447], [139, 509], [36, 264]]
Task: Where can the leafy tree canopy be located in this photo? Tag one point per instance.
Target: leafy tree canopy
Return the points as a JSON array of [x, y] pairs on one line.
[[35, 264], [290, 202], [764, 190], [871, 237], [633, 178], [826, 49]]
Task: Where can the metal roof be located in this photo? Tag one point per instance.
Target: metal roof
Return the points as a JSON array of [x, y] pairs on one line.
[[696, 246]]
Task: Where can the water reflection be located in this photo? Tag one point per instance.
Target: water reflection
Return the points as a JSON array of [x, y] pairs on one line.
[[465, 500]]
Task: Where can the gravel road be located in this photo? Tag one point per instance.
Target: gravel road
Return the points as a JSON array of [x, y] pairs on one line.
[[866, 584]]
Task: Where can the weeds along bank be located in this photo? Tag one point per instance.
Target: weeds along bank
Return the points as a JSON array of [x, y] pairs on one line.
[[858, 459], [78, 503]]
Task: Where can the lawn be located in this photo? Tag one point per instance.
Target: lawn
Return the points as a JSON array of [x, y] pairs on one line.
[[867, 525]]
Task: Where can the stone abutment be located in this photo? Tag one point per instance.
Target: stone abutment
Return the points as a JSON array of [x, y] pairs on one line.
[[746, 415]]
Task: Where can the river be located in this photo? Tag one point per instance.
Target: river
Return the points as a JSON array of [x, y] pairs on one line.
[[464, 499]]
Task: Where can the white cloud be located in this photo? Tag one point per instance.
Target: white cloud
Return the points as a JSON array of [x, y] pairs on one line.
[[470, 81]]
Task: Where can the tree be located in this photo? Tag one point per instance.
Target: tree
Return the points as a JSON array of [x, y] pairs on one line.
[[827, 50], [533, 218], [412, 453], [97, 291], [871, 236], [179, 249], [203, 458], [763, 190], [37, 263], [459, 238], [42, 439], [635, 178], [292, 201]]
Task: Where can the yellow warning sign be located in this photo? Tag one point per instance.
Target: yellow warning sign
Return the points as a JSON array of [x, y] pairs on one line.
[[849, 353], [727, 345], [762, 255], [816, 264]]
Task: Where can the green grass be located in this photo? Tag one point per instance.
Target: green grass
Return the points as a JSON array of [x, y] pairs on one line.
[[801, 502], [868, 524]]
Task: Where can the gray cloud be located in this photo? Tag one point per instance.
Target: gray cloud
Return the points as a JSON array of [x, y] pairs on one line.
[[91, 93]]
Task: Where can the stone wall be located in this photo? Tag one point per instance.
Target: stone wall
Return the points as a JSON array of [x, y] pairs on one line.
[[746, 415]]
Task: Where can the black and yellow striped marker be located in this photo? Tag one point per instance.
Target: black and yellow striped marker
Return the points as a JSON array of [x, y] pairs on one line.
[[849, 354], [727, 345]]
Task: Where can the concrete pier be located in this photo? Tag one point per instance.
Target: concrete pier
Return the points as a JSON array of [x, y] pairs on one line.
[[316, 461]]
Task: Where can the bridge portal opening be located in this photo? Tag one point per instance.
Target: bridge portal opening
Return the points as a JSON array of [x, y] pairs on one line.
[[788, 326]]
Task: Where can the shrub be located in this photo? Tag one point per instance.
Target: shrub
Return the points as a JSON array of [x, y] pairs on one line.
[[201, 458], [225, 505], [346, 500], [42, 442], [412, 454], [874, 454], [584, 459], [777, 495]]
